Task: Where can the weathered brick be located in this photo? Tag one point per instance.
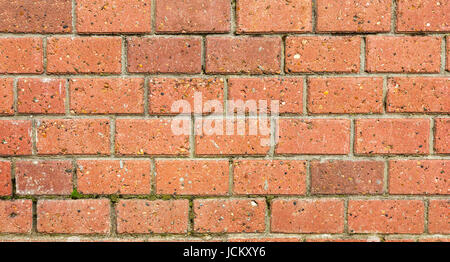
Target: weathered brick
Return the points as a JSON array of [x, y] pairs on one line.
[[44, 177], [255, 16], [192, 177], [250, 55], [307, 216], [164, 92], [410, 95], [345, 95], [229, 215], [6, 96], [73, 137], [448, 53], [87, 216], [386, 216], [21, 56], [288, 91], [83, 55], [439, 216], [423, 16], [399, 54], [392, 136], [193, 16], [106, 177], [150, 137], [342, 240], [107, 96], [347, 177], [442, 136], [354, 16], [15, 137], [322, 54], [41, 96], [16, 216], [146, 217], [5, 178], [266, 177], [315, 136], [268, 239], [246, 138], [419, 177], [38, 16], [164, 55], [119, 16]]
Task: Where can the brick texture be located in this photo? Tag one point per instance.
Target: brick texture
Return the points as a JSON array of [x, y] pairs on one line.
[[41, 96], [423, 16], [21, 56], [16, 216], [439, 217], [442, 136], [5, 178], [6, 96], [15, 137]]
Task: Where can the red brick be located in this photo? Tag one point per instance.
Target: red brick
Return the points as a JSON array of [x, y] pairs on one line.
[[41, 96], [322, 54], [193, 16], [73, 137], [410, 95], [15, 137], [147, 217], [164, 92], [38, 16], [342, 240], [16, 216], [347, 177], [414, 177], [439, 216], [192, 177], [250, 55], [269, 177], [268, 239], [345, 95], [448, 53], [87, 216], [255, 16], [434, 239], [229, 215], [289, 92], [423, 16], [44, 177], [106, 177], [83, 55], [107, 96], [307, 216], [5, 178], [442, 136], [399, 54], [119, 16], [354, 16], [392, 136], [164, 55], [6, 96], [386, 216], [212, 137], [150, 137], [317, 136], [21, 56]]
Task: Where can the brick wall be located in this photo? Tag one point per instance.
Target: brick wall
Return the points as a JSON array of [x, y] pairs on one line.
[[87, 152]]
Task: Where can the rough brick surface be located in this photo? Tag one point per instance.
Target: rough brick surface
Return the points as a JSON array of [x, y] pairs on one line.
[[347, 177], [398, 54], [255, 16], [256, 55], [103, 177], [21, 56], [119, 16], [107, 96], [439, 217], [308, 216], [442, 136], [190, 16], [423, 16], [5, 178], [6, 96], [419, 177], [392, 136], [41, 96], [15, 137], [146, 217], [39, 16], [345, 95], [354, 16], [386, 216], [90, 216], [16, 216], [44, 177]]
